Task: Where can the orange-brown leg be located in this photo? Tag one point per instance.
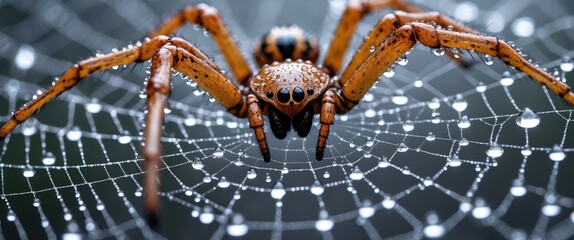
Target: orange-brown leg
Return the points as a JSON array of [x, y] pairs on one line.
[[390, 23], [404, 38], [158, 90], [80, 70], [329, 105], [208, 18], [352, 15], [256, 122]]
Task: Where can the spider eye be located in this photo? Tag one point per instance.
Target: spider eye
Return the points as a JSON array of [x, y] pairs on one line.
[[298, 94], [269, 94], [283, 95], [310, 91]]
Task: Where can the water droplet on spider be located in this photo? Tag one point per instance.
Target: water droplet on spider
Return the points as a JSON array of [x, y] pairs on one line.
[[93, 106], [403, 60], [198, 164], [506, 79], [454, 161], [488, 60], [49, 159], [324, 223], [434, 103], [223, 183], [567, 65], [278, 190], [28, 172], [372, 49], [25, 57], [251, 173], [366, 210], [408, 126], [481, 87], [557, 153], [494, 150], [463, 122], [526, 150], [438, 51], [218, 152], [11, 216], [356, 174], [74, 134], [517, 189], [236, 226], [206, 216], [326, 174], [388, 203], [167, 108], [527, 118], [390, 72], [317, 188], [399, 98], [430, 137], [459, 104]]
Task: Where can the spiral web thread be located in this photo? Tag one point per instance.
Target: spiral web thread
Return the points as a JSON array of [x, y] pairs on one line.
[[432, 150]]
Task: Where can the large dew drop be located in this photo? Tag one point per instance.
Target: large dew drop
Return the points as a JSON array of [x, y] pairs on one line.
[[236, 226], [278, 191], [527, 118], [494, 150]]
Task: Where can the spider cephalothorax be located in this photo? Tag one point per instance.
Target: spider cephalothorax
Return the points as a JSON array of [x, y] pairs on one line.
[[289, 92]]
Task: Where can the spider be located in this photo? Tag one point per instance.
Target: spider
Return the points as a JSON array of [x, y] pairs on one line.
[[289, 92]]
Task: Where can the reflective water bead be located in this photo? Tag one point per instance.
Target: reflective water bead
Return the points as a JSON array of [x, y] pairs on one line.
[[567, 65], [403, 60], [74, 134], [251, 173], [326, 174], [506, 79], [527, 118], [454, 161], [488, 60], [517, 189], [430, 137], [49, 159], [324, 223], [238, 162], [206, 216], [526, 150], [11, 216], [198, 164], [93, 106], [481, 87], [481, 210], [28, 172], [463, 122], [438, 51], [317, 188], [285, 170], [29, 129], [551, 209], [223, 183], [406, 170], [366, 210], [237, 226], [433, 229], [207, 179], [557, 153], [356, 174], [267, 178], [399, 98], [494, 150], [36, 202], [390, 72], [463, 142], [125, 139], [459, 104], [402, 147], [408, 126], [383, 163], [428, 181], [218, 152], [25, 57], [371, 49], [434, 103], [278, 191], [388, 203], [418, 82], [435, 117]]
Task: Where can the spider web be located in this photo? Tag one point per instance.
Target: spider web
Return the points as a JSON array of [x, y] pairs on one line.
[[449, 162]]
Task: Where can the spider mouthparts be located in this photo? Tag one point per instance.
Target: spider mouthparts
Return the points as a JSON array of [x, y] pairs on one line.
[[153, 220]]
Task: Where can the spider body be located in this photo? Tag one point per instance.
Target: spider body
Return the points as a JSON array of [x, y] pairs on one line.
[[288, 92]]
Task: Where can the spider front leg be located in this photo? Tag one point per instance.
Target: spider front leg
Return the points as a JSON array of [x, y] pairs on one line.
[[208, 18], [331, 104], [404, 38]]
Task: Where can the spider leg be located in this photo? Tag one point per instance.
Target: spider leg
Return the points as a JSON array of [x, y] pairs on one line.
[[330, 104], [256, 122], [208, 18], [352, 15], [404, 38], [357, 9], [78, 71], [390, 23]]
